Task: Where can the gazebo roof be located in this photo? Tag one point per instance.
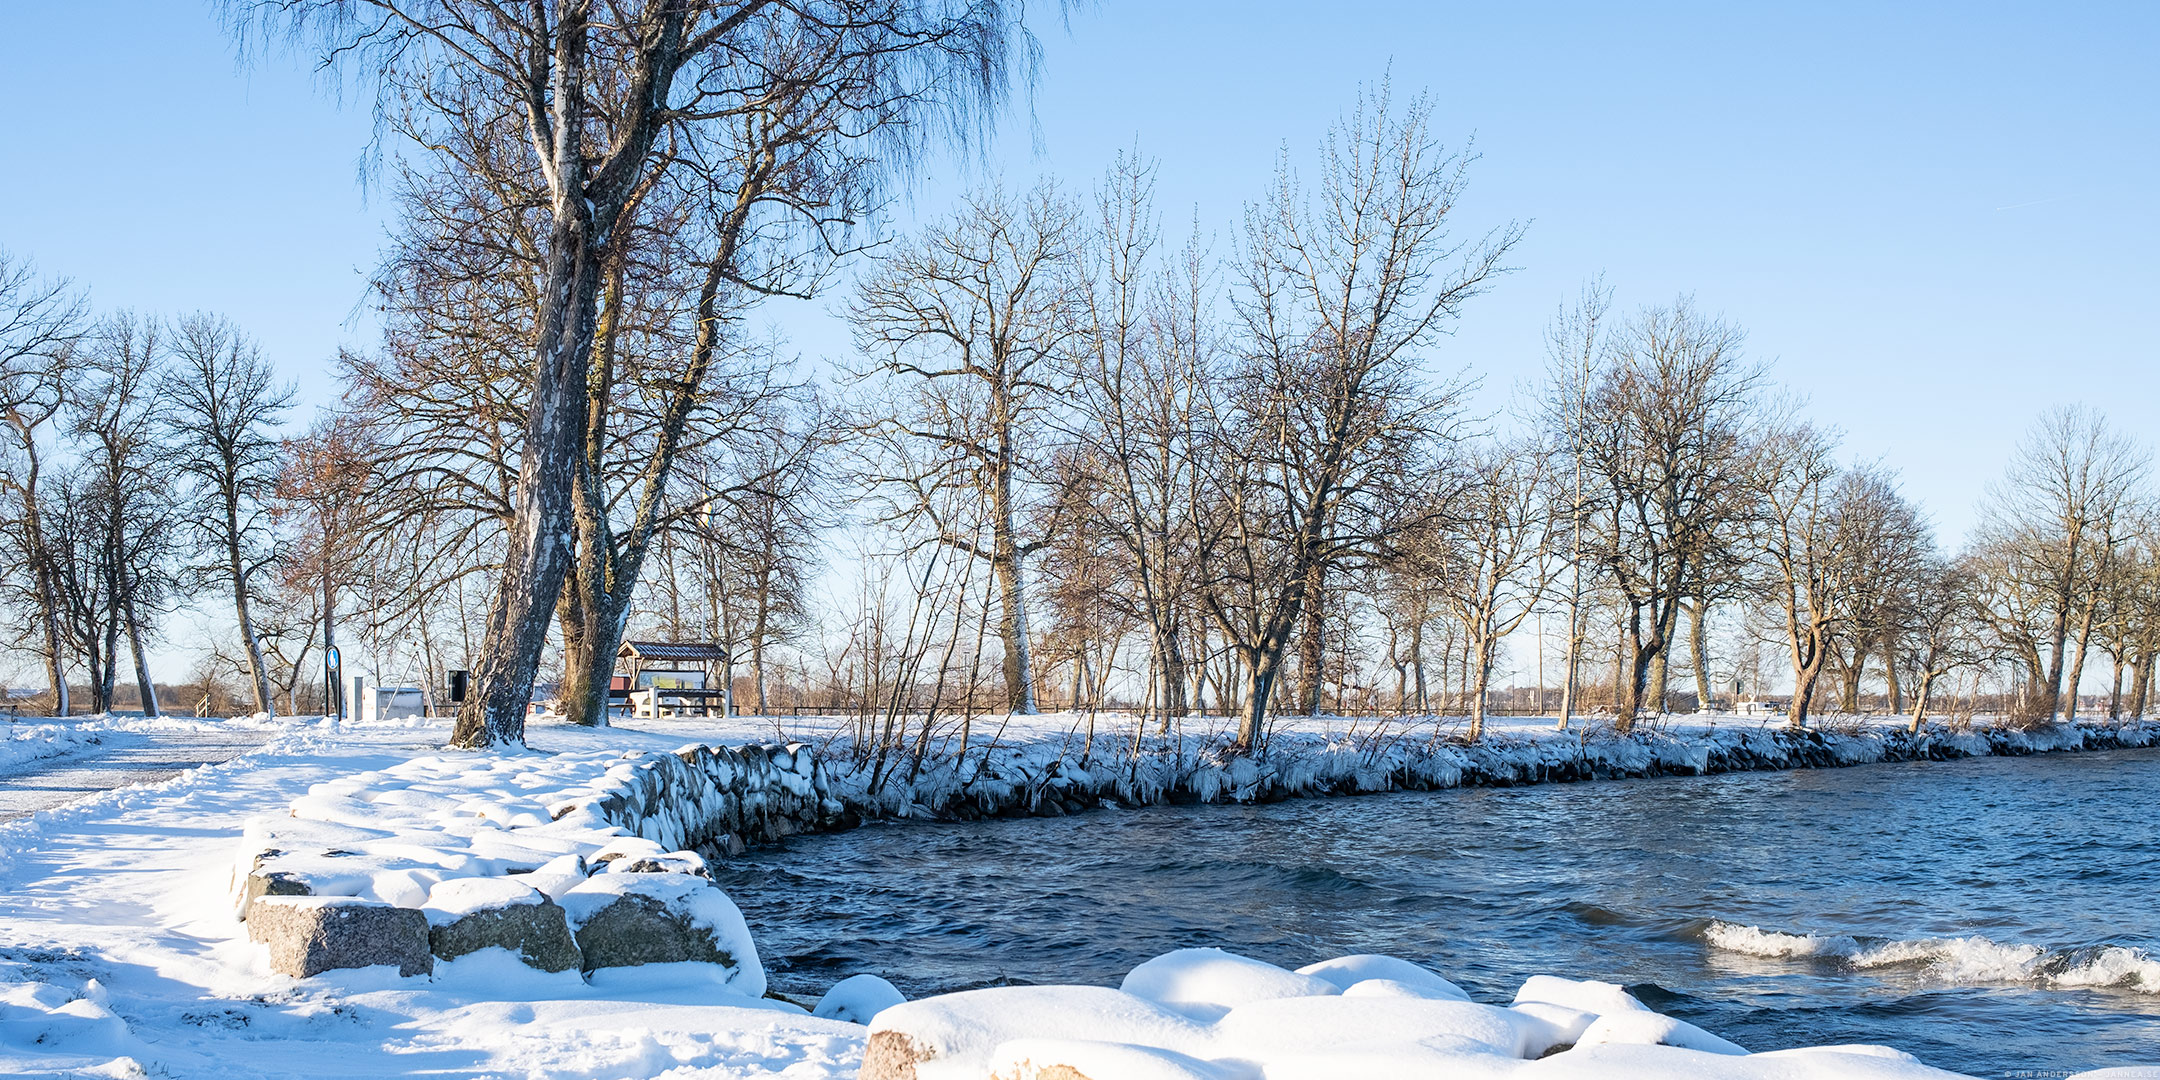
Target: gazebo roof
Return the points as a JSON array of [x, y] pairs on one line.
[[672, 650]]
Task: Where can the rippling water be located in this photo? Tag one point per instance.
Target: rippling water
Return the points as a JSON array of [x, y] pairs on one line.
[[1993, 916]]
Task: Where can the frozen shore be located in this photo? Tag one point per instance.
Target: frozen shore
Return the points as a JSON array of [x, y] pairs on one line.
[[120, 954], [1056, 763]]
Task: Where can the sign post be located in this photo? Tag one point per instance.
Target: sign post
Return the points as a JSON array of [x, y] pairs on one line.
[[333, 690]]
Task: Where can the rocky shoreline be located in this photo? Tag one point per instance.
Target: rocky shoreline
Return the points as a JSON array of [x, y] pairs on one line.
[[441, 856], [1024, 784]]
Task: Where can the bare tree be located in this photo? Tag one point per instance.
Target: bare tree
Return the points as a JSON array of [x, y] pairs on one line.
[[323, 482], [41, 322], [2061, 514], [1807, 575], [1146, 350], [1492, 557], [754, 536], [1893, 550], [968, 324], [574, 111], [1943, 631], [225, 405], [117, 418], [1669, 421], [1575, 343], [1329, 420]]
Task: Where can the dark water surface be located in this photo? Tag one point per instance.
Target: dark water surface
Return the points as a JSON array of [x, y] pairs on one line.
[[2048, 860]]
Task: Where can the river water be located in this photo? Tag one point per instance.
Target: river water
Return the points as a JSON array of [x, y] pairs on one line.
[[1996, 916]]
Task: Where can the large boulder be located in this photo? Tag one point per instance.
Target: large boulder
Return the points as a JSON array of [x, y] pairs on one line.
[[260, 882], [309, 935], [626, 920], [466, 915]]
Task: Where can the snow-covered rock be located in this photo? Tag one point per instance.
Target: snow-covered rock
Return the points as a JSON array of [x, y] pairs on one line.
[[1653, 1029], [414, 835], [1204, 984], [1077, 1059], [47, 1020], [626, 920], [308, 935], [1389, 1028], [1320, 1029], [955, 1036], [858, 999], [1347, 971], [466, 915]]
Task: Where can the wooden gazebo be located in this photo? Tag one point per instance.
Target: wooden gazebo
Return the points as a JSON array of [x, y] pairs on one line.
[[670, 678]]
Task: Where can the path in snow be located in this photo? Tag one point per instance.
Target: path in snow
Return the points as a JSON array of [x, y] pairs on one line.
[[123, 760]]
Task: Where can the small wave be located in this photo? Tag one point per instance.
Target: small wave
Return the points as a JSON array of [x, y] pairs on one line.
[[1971, 960], [1756, 941]]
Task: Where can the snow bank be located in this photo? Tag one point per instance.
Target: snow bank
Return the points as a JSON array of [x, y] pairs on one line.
[[395, 834], [1556, 1028], [21, 743], [62, 1027], [1973, 960], [488, 848]]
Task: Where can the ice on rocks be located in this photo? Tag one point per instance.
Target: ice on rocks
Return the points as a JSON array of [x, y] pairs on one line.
[[858, 999], [1204, 984], [1347, 971]]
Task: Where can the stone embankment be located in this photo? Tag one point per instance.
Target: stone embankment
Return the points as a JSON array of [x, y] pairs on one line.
[[585, 860], [1048, 779]]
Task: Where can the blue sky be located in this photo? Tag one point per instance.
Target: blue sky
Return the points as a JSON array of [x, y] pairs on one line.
[[1937, 219]]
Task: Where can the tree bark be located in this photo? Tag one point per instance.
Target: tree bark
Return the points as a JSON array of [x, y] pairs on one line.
[[1261, 668], [586, 205], [48, 592], [1312, 643], [1698, 646], [143, 685], [236, 569]]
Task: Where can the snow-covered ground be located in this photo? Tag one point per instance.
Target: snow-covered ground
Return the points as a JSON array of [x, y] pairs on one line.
[[120, 953], [26, 741], [120, 956]]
